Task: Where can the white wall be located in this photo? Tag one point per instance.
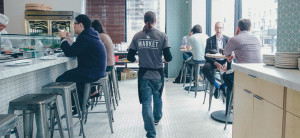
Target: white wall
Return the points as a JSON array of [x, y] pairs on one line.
[[199, 13], [15, 10]]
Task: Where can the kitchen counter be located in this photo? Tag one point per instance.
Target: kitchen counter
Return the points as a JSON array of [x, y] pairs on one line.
[[16, 81], [285, 77], [10, 71]]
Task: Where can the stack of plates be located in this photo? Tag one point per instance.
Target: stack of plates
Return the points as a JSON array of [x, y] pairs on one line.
[[269, 59], [287, 59]]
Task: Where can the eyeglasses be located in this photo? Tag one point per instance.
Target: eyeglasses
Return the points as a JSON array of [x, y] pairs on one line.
[[219, 27], [76, 23]]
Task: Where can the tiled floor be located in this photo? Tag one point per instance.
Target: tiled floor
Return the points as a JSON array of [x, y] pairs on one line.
[[183, 116]]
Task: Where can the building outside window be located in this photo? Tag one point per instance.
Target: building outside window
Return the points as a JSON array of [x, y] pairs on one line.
[[135, 15], [263, 16]]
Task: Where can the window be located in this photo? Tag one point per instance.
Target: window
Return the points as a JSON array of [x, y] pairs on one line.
[[135, 15], [223, 11], [199, 14], [263, 17]]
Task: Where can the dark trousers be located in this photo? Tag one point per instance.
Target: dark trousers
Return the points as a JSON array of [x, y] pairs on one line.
[[208, 69], [186, 55], [228, 80]]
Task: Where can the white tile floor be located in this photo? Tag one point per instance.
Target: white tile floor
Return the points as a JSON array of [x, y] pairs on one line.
[[183, 116]]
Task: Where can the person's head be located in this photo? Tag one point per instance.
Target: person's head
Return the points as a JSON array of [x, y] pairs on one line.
[[150, 20], [219, 27], [98, 26], [244, 24], [82, 22], [196, 29], [3, 21]]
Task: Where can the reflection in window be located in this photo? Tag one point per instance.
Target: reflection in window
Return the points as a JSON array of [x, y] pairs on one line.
[[135, 15], [264, 21], [223, 11]]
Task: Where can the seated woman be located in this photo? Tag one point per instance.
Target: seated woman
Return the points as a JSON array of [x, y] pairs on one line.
[[109, 51]]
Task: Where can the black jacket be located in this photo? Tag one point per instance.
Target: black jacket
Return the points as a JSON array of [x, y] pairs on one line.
[[211, 44], [90, 53]]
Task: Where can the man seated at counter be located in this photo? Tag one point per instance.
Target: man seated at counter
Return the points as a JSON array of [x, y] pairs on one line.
[[196, 42], [90, 53], [246, 47], [215, 44]]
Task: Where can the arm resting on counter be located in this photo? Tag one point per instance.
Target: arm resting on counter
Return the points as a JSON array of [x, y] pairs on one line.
[[167, 54], [131, 55]]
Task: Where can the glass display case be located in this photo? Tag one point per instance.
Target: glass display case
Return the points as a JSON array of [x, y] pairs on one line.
[[27, 46]]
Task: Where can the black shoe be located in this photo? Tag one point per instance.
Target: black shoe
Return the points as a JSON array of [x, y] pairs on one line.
[[74, 112], [217, 93], [156, 122]]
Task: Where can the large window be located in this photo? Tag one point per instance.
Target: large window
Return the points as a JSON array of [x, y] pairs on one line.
[[263, 16], [223, 11], [135, 15], [199, 14]]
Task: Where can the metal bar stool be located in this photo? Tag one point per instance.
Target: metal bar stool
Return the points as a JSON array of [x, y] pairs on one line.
[[38, 103], [182, 71], [10, 122], [108, 99], [115, 84], [197, 67], [66, 89]]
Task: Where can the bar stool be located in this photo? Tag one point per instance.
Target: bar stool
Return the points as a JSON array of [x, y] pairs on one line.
[[10, 122], [38, 104], [108, 99], [112, 91], [211, 90], [66, 89], [183, 67], [197, 67]]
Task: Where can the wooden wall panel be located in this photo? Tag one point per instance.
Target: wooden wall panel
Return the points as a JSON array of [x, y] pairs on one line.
[[111, 14]]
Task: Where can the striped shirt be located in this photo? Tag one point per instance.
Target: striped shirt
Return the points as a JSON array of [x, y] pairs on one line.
[[246, 46]]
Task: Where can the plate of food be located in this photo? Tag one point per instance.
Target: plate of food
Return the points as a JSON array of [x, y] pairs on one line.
[[51, 57]]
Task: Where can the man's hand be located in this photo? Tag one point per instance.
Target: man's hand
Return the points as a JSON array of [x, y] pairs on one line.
[[219, 66], [62, 33], [230, 58], [225, 67]]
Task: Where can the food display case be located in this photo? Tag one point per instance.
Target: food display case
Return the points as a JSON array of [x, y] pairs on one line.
[[15, 46], [48, 22]]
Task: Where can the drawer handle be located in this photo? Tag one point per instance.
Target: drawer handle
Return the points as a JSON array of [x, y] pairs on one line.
[[258, 97], [252, 76], [247, 91]]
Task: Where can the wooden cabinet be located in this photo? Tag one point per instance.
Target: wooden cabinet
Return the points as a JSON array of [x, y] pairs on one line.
[[258, 107], [242, 124], [267, 119], [292, 126]]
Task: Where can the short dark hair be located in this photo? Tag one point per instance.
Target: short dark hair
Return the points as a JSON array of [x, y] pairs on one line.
[[85, 20], [98, 26], [197, 29], [244, 24]]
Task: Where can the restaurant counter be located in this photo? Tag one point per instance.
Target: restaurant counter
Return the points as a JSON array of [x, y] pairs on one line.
[[16, 81], [266, 101]]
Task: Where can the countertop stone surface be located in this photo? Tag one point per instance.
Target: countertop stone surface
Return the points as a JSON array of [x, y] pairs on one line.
[[10, 71], [289, 78]]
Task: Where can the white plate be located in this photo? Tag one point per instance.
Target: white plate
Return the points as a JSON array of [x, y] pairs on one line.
[[48, 58], [19, 62]]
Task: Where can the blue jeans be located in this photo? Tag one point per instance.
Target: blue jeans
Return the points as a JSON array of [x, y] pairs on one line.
[[150, 87]]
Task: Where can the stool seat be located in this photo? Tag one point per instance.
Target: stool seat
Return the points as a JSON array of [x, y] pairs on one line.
[[33, 99], [9, 122], [60, 85]]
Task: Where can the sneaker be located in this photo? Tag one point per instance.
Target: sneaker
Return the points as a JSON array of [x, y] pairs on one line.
[[156, 122], [217, 93]]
